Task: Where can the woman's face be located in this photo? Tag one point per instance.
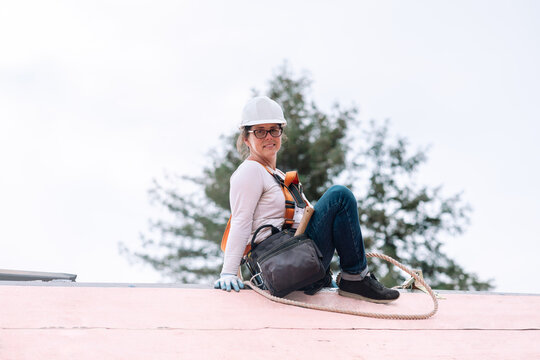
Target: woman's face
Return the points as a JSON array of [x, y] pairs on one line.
[[267, 147]]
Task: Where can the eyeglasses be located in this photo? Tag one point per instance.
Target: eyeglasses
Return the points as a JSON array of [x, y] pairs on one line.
[[261, 133]]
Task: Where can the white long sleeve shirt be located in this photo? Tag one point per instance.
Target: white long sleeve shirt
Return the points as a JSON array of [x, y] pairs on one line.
[[256, 199]]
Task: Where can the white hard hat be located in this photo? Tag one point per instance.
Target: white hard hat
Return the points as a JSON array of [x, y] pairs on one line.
[[262, 110]]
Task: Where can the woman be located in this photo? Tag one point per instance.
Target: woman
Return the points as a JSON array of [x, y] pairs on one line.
[[257, 199]]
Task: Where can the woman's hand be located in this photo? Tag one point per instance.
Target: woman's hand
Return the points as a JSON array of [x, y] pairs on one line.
[[226, 281]]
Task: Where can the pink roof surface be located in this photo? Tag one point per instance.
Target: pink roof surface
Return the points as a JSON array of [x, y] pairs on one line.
[[83, 322]]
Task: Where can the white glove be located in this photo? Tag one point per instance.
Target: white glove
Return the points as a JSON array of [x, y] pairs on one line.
[[226, 281]]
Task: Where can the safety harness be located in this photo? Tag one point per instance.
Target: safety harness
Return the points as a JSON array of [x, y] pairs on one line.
[[292, 190]]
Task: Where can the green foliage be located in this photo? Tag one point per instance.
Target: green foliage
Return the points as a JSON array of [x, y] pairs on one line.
[[403, 220], [398, 218]]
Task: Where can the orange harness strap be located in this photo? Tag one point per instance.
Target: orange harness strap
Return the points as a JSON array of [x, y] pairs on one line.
[[291, 177], [289, 200], [226, 236]]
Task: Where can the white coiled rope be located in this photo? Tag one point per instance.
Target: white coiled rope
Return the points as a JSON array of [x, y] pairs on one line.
[[361, 313]]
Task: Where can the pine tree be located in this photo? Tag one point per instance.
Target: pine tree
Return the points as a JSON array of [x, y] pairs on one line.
[[397, 217]]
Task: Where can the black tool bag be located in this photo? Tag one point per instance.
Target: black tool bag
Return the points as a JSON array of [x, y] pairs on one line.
[[283, 263]]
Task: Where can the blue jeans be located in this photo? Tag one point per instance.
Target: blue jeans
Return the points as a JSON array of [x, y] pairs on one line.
[[335, 226]]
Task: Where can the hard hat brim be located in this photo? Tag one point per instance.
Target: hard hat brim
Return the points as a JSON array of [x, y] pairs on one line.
[[264, 121]]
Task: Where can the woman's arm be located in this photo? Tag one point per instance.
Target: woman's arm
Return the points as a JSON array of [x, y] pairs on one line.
[[247, 186]]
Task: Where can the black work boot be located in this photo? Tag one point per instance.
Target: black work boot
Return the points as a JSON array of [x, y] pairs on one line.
[[368, 289]]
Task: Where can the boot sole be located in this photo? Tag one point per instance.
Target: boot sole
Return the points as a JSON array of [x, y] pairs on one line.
[[360, 297]]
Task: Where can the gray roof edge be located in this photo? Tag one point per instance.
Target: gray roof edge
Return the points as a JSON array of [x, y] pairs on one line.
[[21, 275], [66, 283]]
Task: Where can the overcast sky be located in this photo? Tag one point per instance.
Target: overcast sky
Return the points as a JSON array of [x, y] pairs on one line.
[[99, 98]]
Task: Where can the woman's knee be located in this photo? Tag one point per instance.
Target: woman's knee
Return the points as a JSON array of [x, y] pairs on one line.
[[342, 192]]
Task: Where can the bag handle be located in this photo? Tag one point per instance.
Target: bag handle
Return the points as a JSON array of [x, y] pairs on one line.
[[275, 230]]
